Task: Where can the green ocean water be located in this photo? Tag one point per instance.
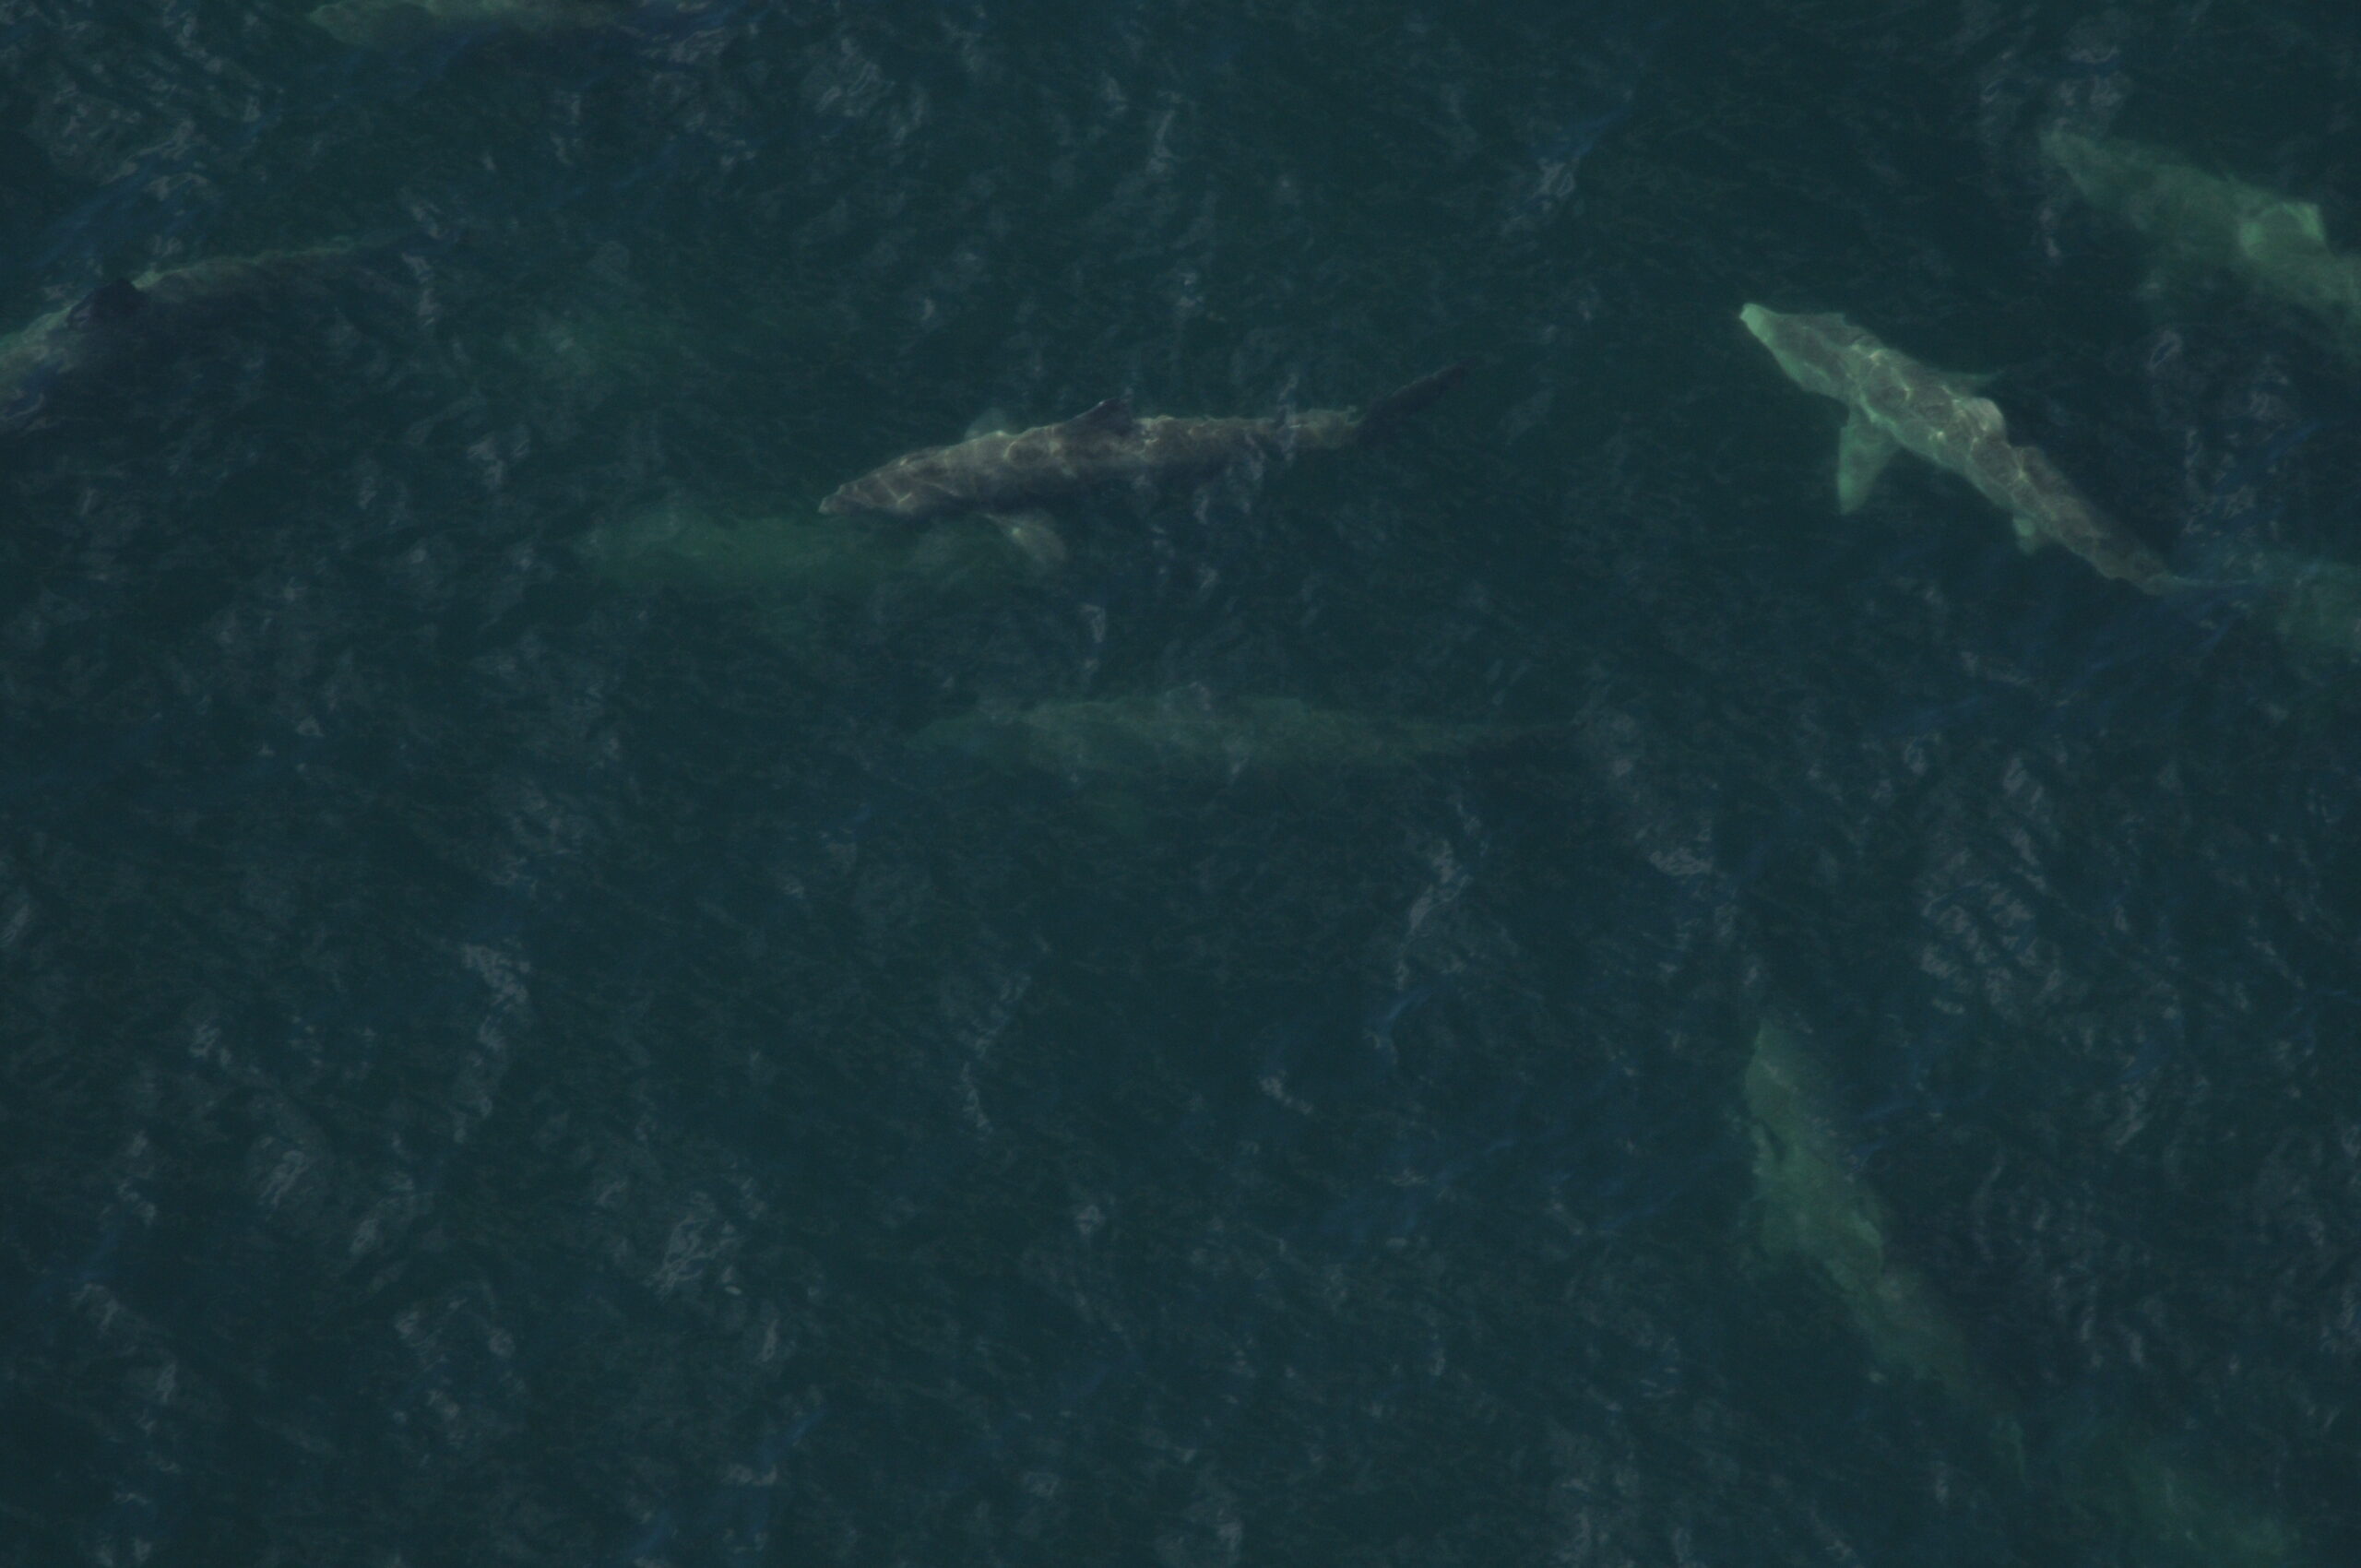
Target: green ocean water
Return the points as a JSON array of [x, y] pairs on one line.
[[532, 1032]]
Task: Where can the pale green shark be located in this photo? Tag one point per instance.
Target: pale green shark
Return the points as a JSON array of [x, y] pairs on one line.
[[1896, 404], [2195, 222], [1189, 735], [1815, 1208]]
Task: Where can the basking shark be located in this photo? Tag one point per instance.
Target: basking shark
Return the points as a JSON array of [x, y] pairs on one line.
[[393, 24], [1896, 404], [69, 347], [2313, 604], [2196, 222], [1015, 475], [685, 546], [1815, 1208], [1187, 734]]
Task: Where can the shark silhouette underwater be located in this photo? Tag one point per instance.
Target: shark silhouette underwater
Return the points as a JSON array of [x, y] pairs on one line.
[[1012, 478], [130, 321], [1189, 737], [394, 24], [2197, 224], [802, 563], [2115, 1475]]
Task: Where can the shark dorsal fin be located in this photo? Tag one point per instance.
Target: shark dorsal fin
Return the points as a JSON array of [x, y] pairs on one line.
[[115, 301], [1862, 452], [1985, 415], [1113, 416]]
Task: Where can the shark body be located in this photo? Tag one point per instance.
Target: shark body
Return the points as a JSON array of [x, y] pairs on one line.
[[1896, 404], [65, 349], [1816, 1210], [1107, 446], [2196, 223], [788, 557], [1188, 735], [393, 24], [2313, 604]]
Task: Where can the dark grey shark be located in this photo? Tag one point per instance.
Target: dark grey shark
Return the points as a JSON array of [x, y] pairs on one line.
[[1109, 445], [1897, 404], [68, 349]]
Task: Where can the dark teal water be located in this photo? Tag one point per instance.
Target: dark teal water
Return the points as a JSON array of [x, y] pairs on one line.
[[505, 1059]]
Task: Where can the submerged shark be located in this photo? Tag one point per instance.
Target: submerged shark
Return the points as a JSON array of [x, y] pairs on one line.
[[2313, 604], [1188, 735], [393, 24], [1896, 404], [2197, 222], [65, 349], [1011, 476], [800, 557], [1815, 1208]]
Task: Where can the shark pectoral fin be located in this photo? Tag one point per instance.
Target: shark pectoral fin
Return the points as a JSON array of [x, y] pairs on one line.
[[2030, 536], [1862, 452], [1033, 534]]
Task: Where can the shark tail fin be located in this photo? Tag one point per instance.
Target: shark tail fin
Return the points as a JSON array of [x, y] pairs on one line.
[[1383, 419]]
